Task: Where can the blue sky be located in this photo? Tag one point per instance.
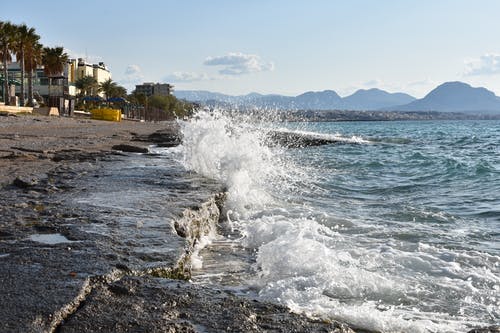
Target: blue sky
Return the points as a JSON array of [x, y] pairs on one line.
[[278, 46]]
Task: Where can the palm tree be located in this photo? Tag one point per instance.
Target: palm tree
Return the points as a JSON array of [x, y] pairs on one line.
[[32, 59], [120, 92], [53, 59], [108, 87], [87, 85], [7, 40], [25, 36]]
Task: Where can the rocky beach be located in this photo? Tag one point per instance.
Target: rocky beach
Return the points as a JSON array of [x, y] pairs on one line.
[[78, 255]]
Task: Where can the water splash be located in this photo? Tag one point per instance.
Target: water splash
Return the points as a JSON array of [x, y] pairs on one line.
[[312, 261]]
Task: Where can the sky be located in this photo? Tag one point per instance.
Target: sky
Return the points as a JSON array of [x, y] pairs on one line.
[[277, 46]]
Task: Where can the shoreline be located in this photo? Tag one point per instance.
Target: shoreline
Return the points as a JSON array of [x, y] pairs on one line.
[[59, 275]]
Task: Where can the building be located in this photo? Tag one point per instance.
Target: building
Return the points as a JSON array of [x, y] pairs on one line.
[[62, 88], [156, 89], [98, 71]]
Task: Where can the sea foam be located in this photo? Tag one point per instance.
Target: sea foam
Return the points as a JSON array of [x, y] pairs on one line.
[[350, 271]]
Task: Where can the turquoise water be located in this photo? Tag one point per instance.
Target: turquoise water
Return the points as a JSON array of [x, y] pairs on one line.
[[440, 180], [395, 229]]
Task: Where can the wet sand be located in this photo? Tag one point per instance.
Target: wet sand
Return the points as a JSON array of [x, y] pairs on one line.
[[28, 144]]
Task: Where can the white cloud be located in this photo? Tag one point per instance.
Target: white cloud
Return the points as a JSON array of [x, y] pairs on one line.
[[132, 75], [373, 83], [487, 64], [90, 58], [239, 63], [186, 77], [133, 70]]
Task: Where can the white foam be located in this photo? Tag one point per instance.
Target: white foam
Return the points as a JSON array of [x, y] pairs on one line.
[[216, 147], [336, 137]]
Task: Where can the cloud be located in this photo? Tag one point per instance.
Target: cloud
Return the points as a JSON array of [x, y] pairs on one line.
[[186, 77], [88, 58], [132, 70], [132, 76], [373, 83], [239, 63], [487, 64]]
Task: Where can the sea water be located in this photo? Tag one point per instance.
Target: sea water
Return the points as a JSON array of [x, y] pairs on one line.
[[394, 228]]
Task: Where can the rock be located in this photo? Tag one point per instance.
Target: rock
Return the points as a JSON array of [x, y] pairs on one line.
[[25, 182], [130, 148], [491, 329], [295, 140], [160, 303], [119, 289], [168, 137]]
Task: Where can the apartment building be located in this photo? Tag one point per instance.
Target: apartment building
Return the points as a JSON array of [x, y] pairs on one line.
[[157, 89]]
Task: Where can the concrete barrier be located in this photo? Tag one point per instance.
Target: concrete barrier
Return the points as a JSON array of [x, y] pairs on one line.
[[15, 109], [46, 111]]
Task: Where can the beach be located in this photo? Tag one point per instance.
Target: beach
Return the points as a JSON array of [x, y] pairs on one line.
[[78, 255]]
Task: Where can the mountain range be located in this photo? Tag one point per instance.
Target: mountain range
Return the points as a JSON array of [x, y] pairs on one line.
[[448, 97]]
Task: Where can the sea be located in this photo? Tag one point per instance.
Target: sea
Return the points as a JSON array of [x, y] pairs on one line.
[[392, 227]]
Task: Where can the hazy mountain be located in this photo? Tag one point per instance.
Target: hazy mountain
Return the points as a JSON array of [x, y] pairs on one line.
[[202, 96], [455, 97], [374, 99], [448, 97], [322, 100]]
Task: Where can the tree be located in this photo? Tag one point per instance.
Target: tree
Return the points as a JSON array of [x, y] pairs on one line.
[[137, 98], [108, 87], [33, 58], [87, 85], [171, 105], [112, 90], [120, 92], [25, 36], [8, 34], [53, 59]]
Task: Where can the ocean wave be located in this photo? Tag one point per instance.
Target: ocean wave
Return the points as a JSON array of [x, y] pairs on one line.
[[327, 237]]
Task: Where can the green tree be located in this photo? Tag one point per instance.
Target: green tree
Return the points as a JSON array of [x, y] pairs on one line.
[[137, 98], [120, 92], [87, 85], [108, 87], [8, 32], [33, 58], [171, 105], [53, 59], [25, 36]]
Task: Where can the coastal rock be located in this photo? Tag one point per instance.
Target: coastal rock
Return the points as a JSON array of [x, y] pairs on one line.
[[295, 140], [178, 306], [491, 329], [168, 137], [25, 182], [130, 148]]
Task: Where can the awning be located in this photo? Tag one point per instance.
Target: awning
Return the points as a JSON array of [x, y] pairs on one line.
[[117, 100], [92, 99]]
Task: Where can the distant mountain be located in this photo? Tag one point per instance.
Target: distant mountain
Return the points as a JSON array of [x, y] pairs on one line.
[[323, 100], [374, 99], [455, 97], [202, 96]]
